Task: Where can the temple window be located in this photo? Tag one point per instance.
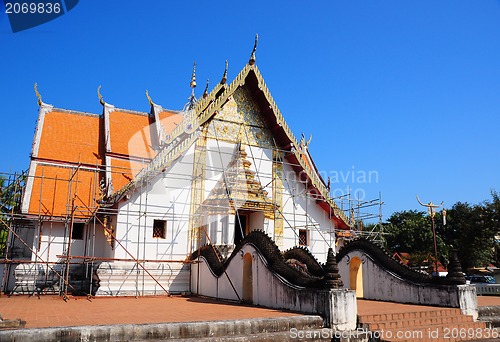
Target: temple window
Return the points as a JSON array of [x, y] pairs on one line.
[[213, 232], [224, 222], [303, 237], [78, 229], [160, 229]]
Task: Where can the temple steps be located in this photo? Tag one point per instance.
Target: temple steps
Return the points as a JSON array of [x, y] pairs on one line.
[[255, 329], [435, 324]]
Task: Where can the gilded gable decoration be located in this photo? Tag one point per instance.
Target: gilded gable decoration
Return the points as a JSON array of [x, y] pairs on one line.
[[240, 115]]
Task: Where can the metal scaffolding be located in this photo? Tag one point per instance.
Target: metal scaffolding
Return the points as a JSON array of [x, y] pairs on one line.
[[21, 234]]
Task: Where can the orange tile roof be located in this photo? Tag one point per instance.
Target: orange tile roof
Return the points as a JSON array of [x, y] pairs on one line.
[[70, 137], [53, 183], [130, 134], [169, 120], [123, 171]]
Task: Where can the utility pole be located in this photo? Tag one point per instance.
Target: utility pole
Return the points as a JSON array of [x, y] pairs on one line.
[[431, 208]]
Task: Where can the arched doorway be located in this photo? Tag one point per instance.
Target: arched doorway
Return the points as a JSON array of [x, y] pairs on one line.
[[356, 276], [247, 279]]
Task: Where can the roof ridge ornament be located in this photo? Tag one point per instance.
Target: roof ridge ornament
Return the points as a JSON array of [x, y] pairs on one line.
[[101, 99], [224, 76], [35, 86], [192, 84], [149, 98], [303, 144], [252, 56], [205, 92], [193, 77]]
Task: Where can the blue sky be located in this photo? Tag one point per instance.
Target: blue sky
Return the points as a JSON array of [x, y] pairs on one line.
[[406, 90]]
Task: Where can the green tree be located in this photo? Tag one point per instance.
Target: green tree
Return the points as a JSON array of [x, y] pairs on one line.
[[411, 232], [471, 229], [10, 196], [3, 216]]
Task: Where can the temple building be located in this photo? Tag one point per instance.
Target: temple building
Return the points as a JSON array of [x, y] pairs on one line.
[[116, 203]]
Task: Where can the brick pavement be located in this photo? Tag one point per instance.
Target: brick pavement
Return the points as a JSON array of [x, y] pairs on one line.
[[52, 310], [488, 300], [373, 307]]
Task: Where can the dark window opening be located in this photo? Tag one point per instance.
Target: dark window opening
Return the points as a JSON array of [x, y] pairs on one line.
[[303, 237], [240, 227], [160, 229], [78, 229]]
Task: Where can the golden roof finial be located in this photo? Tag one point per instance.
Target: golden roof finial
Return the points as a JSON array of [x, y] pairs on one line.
[[252, 56], [38, 94], [224, 76], [101, 100], [193, 77], [149, 98], [205, 93]]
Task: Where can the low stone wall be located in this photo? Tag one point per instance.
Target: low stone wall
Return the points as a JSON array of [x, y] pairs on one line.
[[129, 279], [488, 289], [36, 277], [380, 283], [247, 278]]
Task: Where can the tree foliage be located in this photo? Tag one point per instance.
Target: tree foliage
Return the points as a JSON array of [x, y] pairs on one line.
[[411, 232], [470, 229], [10, 196]]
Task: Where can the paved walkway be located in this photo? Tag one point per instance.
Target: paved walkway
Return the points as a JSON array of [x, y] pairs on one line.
[[488, 300], [52, 310], [372, 307]]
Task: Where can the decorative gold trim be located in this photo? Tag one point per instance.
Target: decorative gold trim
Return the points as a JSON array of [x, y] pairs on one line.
[[197, 192], [278, 196]]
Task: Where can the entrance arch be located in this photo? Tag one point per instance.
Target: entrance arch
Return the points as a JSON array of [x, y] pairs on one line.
[[356, 276], [247, 279]]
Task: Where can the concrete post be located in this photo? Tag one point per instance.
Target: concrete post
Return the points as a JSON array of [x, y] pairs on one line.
[[467, 299], [342, 309]]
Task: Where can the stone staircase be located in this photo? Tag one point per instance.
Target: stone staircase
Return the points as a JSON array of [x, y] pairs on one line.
[[434, 324], [277, 329]]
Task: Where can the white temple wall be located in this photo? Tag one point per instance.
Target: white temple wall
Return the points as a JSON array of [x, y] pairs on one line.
[[165, 198], [52, 241], [360, 273], [302, 212]]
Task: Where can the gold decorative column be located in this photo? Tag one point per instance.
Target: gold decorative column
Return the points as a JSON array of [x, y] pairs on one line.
[[197, 192], [278, 196]]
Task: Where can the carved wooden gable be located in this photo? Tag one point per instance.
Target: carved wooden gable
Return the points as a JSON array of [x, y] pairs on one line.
[[240, 120]]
